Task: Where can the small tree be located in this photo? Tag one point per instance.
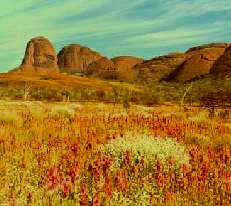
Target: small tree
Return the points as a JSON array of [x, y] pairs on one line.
[[184, 95], [115, 94], [66, 95]]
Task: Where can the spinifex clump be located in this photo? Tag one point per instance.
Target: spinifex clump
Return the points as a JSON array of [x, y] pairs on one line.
[[147, 147]]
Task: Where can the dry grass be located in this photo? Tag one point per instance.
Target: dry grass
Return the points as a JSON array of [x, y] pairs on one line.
[[51, 154]]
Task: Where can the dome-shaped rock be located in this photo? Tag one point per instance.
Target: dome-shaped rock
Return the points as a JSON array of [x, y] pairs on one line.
[[39, 53], [75, 57]]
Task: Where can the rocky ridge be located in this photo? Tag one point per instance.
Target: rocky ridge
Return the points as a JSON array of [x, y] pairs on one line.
[[160, 67], [200, 61], [214, 58], [124, 66]]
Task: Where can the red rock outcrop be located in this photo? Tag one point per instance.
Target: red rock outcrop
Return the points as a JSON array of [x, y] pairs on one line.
[[222, 66], [75, 57], [39, 55], [124, 65], [104, 68], [126, 62], [200, 61], [159, 68], [182, 67]]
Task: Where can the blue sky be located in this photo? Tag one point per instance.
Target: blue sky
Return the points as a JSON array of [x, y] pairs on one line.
[[144, 28]]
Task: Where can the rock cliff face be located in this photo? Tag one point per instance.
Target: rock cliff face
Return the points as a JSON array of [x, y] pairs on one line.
[[222, 66], [182, 67], [115, 68], [200, 61], [160, 67], [104, 68], [124, 65], [126, 62], [76, 57], [39, 54]]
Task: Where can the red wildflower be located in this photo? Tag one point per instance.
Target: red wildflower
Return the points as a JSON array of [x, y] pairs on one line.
[[66, 186], [227, 177], [185, 169], [108, 186], [52, 180], [169, 197], [121, 180], [96, 200], [75, 147], [128, 157], [160, 180], [83, 194]]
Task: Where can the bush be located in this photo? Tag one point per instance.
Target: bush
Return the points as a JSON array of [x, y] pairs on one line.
[[152, 148]]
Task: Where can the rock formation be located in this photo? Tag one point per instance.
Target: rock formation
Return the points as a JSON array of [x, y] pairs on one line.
[[200, 61], [124, 65], [160, 67], [126, 62], [192, 64], [39, 54], [103, 67], [75, 57], [222, 66]]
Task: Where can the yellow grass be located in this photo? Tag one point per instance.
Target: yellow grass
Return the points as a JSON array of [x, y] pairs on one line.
[[37, 138]]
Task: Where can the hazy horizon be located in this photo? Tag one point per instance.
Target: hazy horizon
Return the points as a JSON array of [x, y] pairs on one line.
[[141, 28]]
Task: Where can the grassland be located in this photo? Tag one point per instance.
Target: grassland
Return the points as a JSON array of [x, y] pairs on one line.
[[108, 154]]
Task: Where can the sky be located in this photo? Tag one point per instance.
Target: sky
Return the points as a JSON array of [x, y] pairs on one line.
[[143, 28]]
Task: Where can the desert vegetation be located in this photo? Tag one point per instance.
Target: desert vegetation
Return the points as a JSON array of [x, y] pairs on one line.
[[106, 154], [84, 122], [83, 129]]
